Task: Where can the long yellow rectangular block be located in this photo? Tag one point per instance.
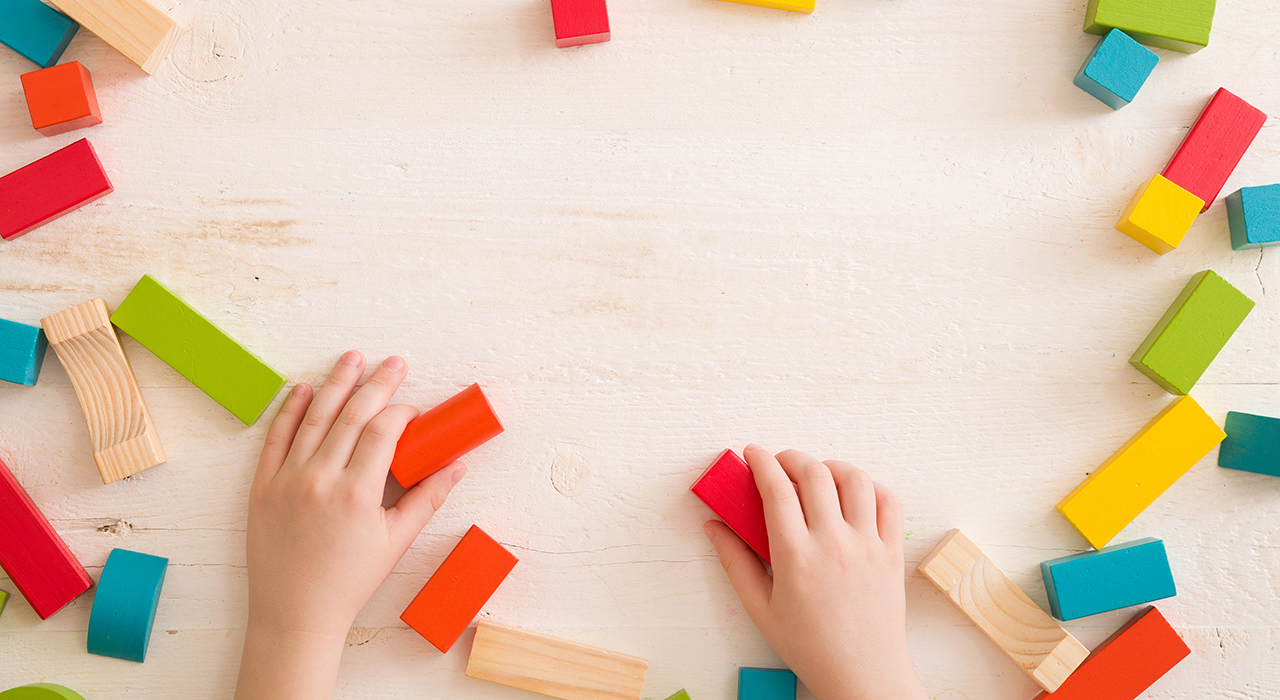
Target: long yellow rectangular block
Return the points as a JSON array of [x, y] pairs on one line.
[[805, 6], [550, 666]]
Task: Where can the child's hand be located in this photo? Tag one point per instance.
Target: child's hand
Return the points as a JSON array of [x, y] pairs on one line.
[[835, 607]]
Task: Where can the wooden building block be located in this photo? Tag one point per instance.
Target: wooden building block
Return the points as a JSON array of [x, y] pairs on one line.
[[123, 437], [441, 436], [135, 28], [1111, 578], [41, 691], [200, 351], [681, 694], [4, 600], [1160, 215], [766, 684], [1192, 332], [1177, 25], [1116, 69], [729, 489], [36, 31], [554, 667], [1128, 663], [61, 99], [33, 555], [458, 589], [124, 607], [805, 6], [580, 22], [53, 186], [21, 352], [1025, 633], [1254, 216], [1214, 146], [1142, 469], [1252, 444]]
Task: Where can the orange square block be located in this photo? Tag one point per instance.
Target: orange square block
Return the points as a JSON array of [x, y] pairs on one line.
[[61, 99], [459, 588]]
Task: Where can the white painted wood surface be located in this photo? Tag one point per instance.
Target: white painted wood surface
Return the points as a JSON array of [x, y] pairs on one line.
[[881, 232]]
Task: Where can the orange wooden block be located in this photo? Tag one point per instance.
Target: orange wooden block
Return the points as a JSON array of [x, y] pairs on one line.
[[441, 436], [61, 99], [1129, 662], [459, 588]]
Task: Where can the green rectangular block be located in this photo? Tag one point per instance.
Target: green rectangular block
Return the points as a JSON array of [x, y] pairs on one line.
[[680, 695], [1177, 25], [4, 599], [190, 343], [1192, 332]]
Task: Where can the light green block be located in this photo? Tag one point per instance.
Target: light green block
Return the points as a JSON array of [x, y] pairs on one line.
[[198, 350], [680, 695], [1177, 25], [1192, 332], [4, 599], [41, 691]]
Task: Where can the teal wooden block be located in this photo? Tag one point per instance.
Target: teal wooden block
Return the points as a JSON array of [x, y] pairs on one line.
[[124, 608], [1254, 216], [4, 599], [766, 684], [35, 30], [1116, 69], [1252, 444], [1177, 25], [21, 352], [1109, 579]]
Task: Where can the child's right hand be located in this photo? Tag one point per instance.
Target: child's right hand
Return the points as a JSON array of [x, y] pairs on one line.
[[835, 607]]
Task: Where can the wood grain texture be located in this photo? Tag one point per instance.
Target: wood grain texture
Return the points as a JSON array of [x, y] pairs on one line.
[[555, 667], [135, 28]]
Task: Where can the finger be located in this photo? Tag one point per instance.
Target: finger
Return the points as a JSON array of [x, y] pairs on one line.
[[857, 496], [818, 496], [326, 405], [368, 401], [421, 502], [371, 459], [281, 433], [747, 574], [783, 518], [889, 516]]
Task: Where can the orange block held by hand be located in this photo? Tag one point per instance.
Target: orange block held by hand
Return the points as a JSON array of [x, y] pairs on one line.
[[441, 436], [459, 588], [61, 99]]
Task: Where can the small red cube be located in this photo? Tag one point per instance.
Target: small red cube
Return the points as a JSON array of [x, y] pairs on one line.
[[580, 22], [61, 99]]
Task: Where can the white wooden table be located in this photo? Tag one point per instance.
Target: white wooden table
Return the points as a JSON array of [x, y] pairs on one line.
[[882, 232]]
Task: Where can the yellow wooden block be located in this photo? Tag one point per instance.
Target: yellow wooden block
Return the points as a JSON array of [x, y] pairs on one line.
[[1025, 633], [551, 666], [1145, 467], [805, 6], [1160, 215], [135, 28]]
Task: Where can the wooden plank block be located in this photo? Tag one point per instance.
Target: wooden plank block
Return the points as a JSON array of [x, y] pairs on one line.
[[1195, 328], [41, 691], [1252, 444], [124, 607], [441, 436], [4, 600], [458, 589], [36, 31], [805, 6], [32, 553], [1214, 146], [580, 22], [1025, 633], [1111, 578], [1142, 469], [1128, 663], [123, 437], [1254, 216], [729, 489], [554, 667], [766, 684], [681, 694], [53, 186], [1160, 215], [61, 99], [135, 28], [1116, 69], [200, 351], [21, 352], [1177, 25]]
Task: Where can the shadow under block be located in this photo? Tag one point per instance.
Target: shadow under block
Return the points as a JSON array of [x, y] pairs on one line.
[[550, 666], [36, 31], [61, 99], [21, 352], [123, 438], [1127, 663], [580, 22], [441, 436], [41, 691], [33, 555], [1192, 332], [1254, 216], [124, 607], [805, 6], [1252, 444], [729, 489], [1111, 578], [135, 28], [1116, 69], [1177, 25], [1142, 469], [458, 589], [1214, 146], [766, 684], [197, 349], [1160, 215], [1024, 632], [53, 186]]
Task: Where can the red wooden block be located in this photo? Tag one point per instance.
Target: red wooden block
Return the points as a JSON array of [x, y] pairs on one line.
[[1214, 146], [33, 554], [61, 99], [729, 488], [57, 184], [580, 22], [1125, 665], [458, 589], [444, 434]]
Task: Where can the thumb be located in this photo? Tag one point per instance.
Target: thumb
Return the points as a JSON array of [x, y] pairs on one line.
[[746, 572], [419, 504]]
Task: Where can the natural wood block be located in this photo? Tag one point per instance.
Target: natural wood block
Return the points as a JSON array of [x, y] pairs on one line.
[[1160, 215], [36, 31], [1177, 25], [61, 99], [729, 489], [441, 436], [1254, 216], [53, 186], [1214, 146], [41, 691], [580, 22], [554, 667], [1127, 663], [124, 606], [1252, 444], [805, 6], [22, 349], [1116, 69], [1111, 578], [458, 589], [1024, 632], [135, 28]]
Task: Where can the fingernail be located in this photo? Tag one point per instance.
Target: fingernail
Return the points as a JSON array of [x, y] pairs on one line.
[[459, 473], [393, 363], [752, 446], [350, 358], [299, 389], [709, 531]]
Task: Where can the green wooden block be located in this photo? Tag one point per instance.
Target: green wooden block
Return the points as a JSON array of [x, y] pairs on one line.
[[198, 350], [41, 691], [1192, 332], [680, 695], [4, 598], [1177, 25]]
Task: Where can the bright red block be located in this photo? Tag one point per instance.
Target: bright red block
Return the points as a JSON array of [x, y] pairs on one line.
[[729, 488], [61, 99], [57, 184], [458, 589], [1214, 146], [580, 22], [1128, 663], [33, 554]]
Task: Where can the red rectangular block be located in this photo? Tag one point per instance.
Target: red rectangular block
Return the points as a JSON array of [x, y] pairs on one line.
[[1214, 146], [61, 99], [729, 489], [458, 589], [1128, 663], [57, 184], [580, 22], [33, 554]]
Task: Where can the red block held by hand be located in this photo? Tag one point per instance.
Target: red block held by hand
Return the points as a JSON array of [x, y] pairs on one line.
[[444, 434], [1214, 146], [57, 184], [61, 99], [459, 588], [33, 554], [729, 489], [580, 22], [1128, 663]]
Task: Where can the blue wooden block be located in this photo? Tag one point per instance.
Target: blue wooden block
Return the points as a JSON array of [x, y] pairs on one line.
[[1252, 444], [766, 684], [1116, 70], [124, 608], [1109, 579], [21, 352], [35, 30], [1254, 215]]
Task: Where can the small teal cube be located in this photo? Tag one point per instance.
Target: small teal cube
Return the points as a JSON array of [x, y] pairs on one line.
[[1252, 444], [21, 352], [1254, 215], [1116, 70], [766, 684]]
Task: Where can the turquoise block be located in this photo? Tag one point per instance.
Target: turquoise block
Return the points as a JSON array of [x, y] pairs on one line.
[[1116, 70], [1254, 215], [1109, 579], [35, 30], [124, 608], [21, 352], [1252, 444], [766, 684]]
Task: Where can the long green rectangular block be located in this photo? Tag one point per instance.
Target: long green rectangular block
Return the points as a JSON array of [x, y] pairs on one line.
[[4, 599], [190, 343], [1252, 444], [1177, 25], [1192, 332]]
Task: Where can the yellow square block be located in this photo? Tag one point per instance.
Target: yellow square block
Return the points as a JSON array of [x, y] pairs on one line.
[[805, 6], [1145, 467], [1160, 215]]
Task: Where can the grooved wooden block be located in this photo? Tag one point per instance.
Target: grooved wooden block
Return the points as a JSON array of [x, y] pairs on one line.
[[1129, 662], [1116, 69], [124, 608], [1254, 216], [729, 489], [22, 350], [1214, 146], [123, 437], [554, 667], [1177, 25], [61, 99], [766, 684], [805, 6], [1024, 632], [36, 31], [441, 436], [41, 691], [458, 589], [1160, 215], [1142, 469], [135, 28], [1111, 578], [580, 22], [1252, 444], [53, 186]]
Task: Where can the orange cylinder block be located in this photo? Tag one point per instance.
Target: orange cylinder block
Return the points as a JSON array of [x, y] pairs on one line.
[[444, 434]]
